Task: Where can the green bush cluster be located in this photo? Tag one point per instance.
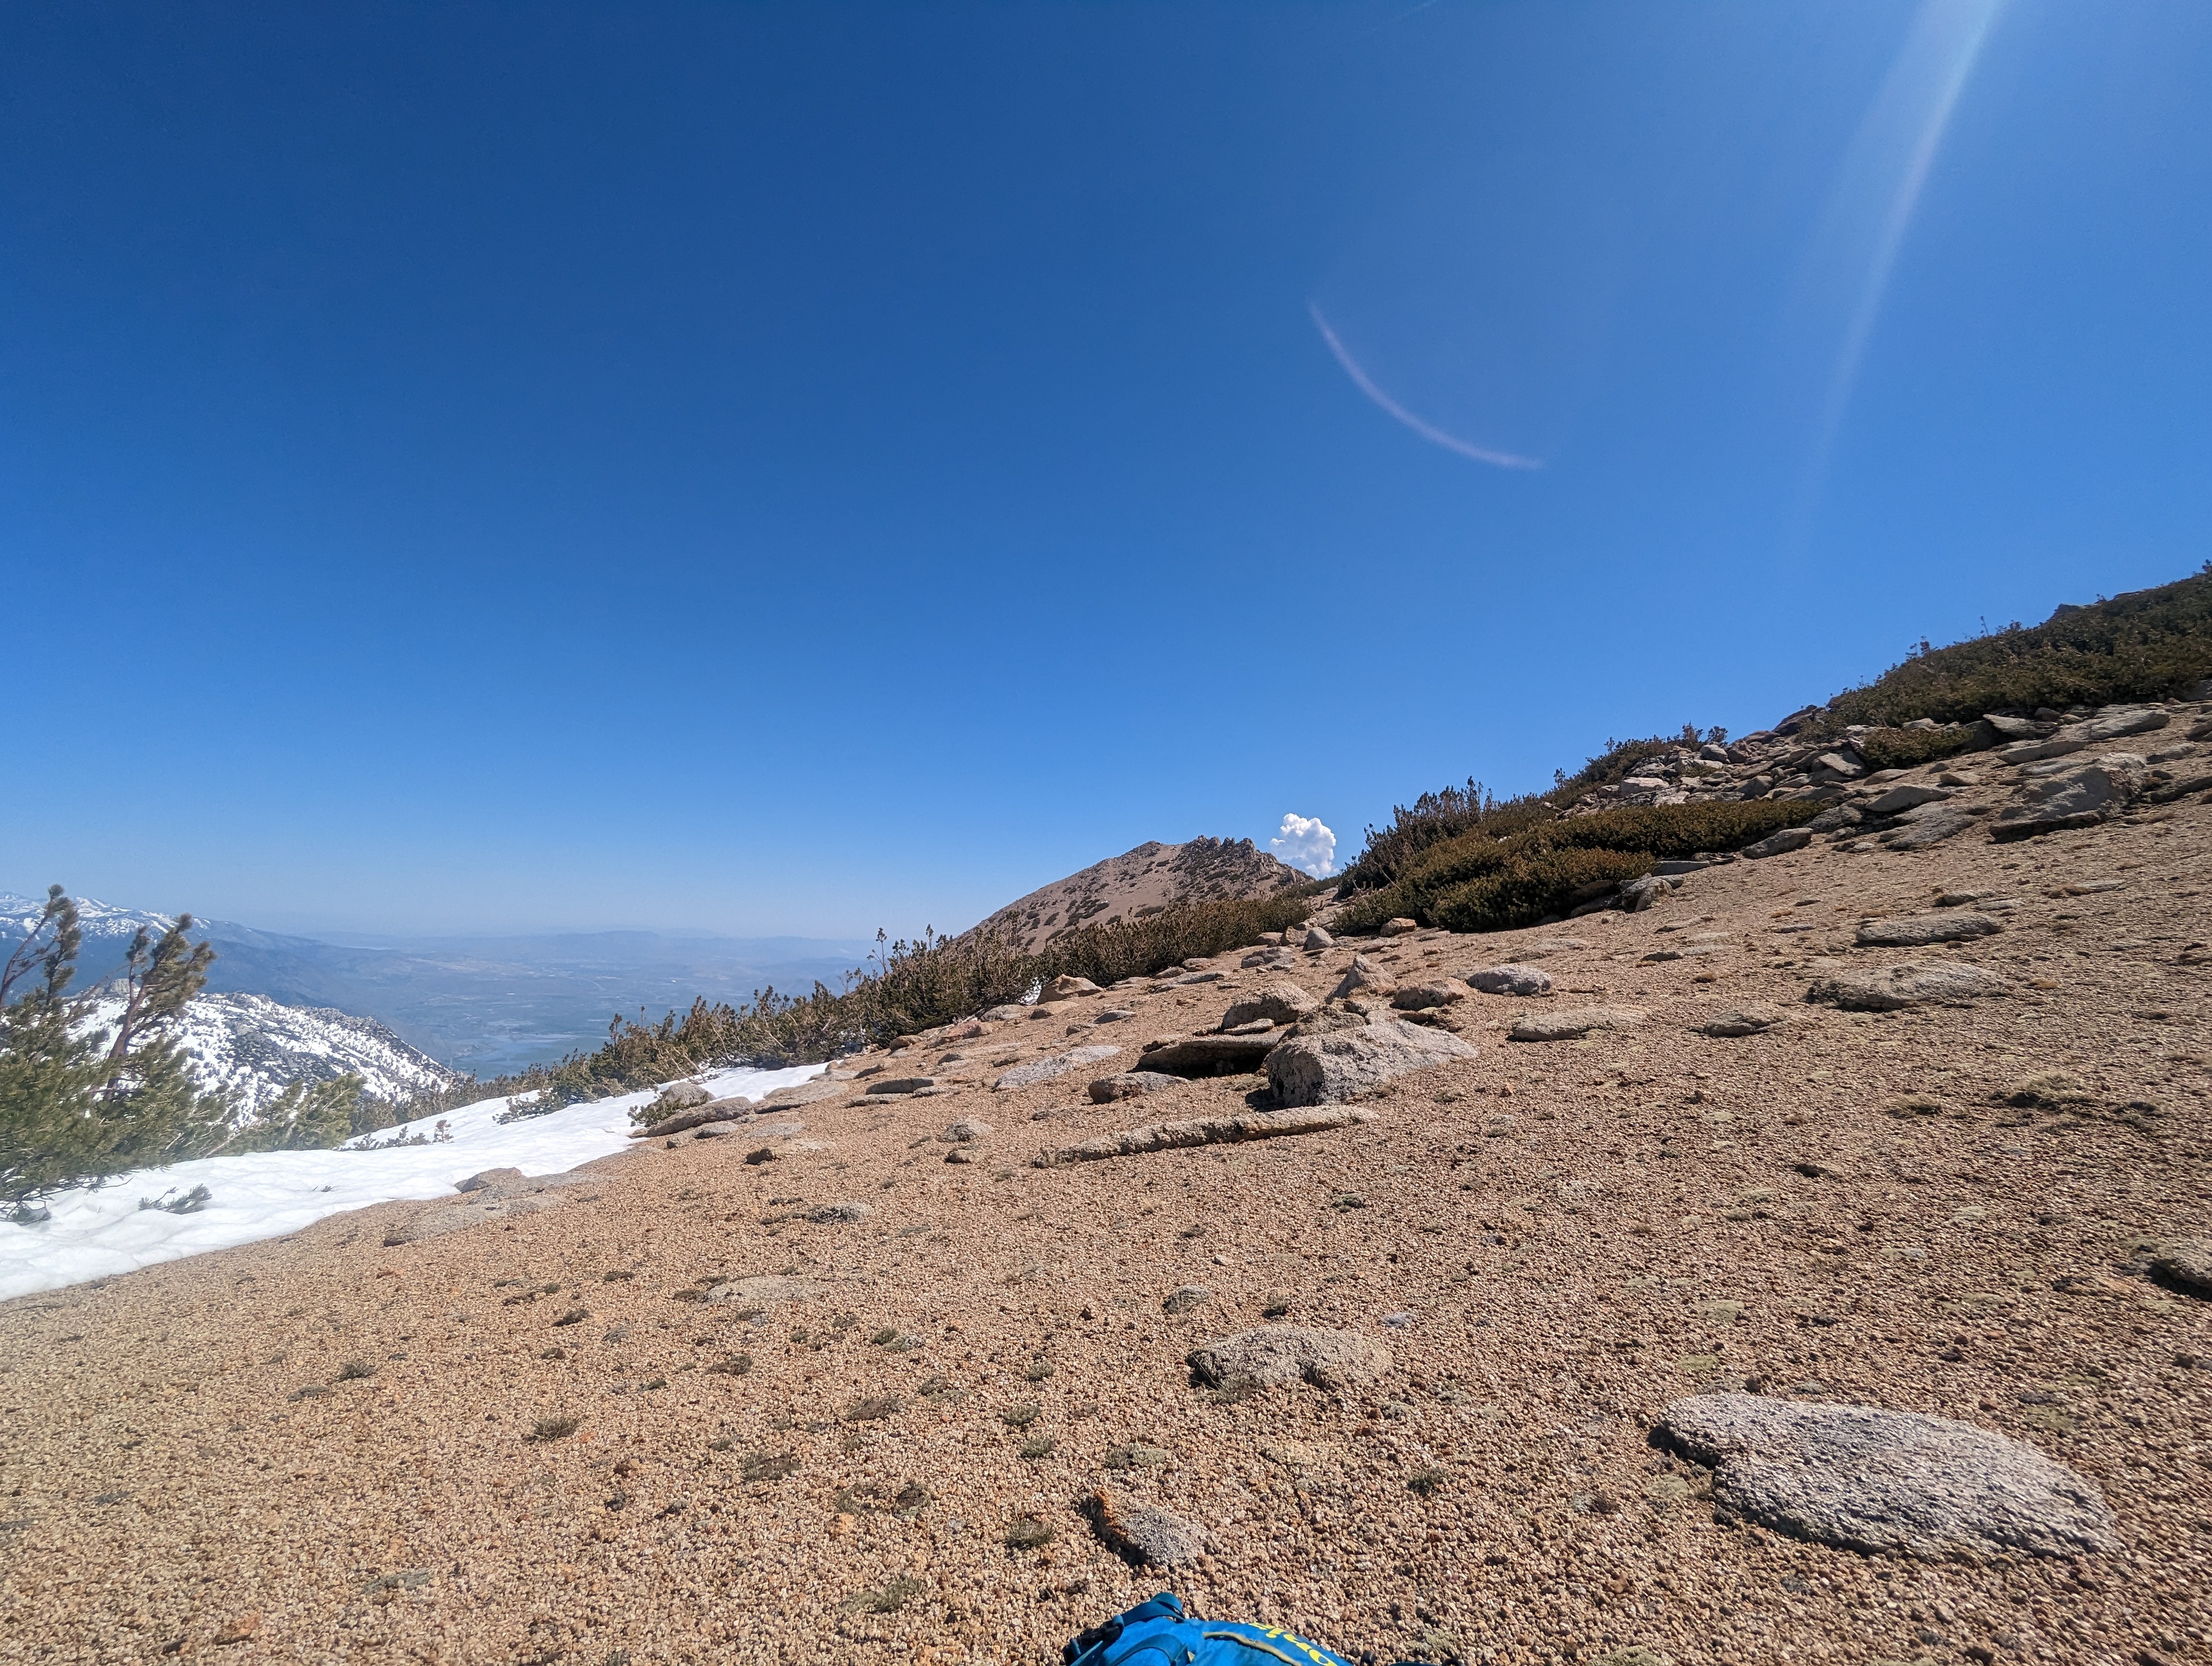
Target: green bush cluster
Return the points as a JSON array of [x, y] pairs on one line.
[[1903, 749], [2146, 645], [1477, 882]]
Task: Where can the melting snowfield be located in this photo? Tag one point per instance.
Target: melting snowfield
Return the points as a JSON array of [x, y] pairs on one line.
[[98, 1232]]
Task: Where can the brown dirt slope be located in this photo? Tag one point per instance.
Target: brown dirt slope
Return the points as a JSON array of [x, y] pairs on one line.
[[879, 1451], [1138, 882]]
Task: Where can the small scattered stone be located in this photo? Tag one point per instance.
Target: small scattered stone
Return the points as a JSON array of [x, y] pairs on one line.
[[1145, 1533], [839, 1214], [1399, 926], [1426, 997], [1747, 1020], [1132, 1085], [1512, 980], [1365, 977], [1067, 987], [1316, 939], [2186, 1263], [966, 1130]]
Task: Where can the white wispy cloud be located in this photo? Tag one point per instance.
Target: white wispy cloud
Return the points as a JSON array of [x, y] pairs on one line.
[[1434, 435], [1306, 843]]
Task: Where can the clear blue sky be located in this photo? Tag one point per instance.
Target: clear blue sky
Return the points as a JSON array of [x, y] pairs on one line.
[[796, 469]]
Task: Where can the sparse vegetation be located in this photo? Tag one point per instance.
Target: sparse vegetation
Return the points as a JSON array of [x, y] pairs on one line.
[[1478, 880], [886, 1599], [2146, 645], [553, 1428], [355, 1369], [1039, 1446], [1028, 1533], [1018, 1417], [1906, 749], [1427, 1483], [769, 1466]]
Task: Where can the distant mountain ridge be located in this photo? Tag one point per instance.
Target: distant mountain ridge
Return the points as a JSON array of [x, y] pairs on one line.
[[1152, 877], [252, 1049], [484, 1005]]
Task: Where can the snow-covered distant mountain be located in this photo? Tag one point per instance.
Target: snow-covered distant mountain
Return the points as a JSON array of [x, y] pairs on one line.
[[255, 1047]]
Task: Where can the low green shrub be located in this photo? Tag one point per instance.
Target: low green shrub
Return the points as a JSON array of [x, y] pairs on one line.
[[1477, 883], [2145, 645], [1670, 832], [1904, 749], [1533, 887]]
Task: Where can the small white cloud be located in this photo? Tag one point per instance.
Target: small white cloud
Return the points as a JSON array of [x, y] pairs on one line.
[[1305, 842]]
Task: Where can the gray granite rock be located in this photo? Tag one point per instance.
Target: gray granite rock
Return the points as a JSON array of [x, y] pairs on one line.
[[1145, 1533], [1051, 1069], [1575, 1022], [1290, 1353], [1908, 983], [1132, 1085], [1882, 1482], [1778, 844], [2080, 797], [1321, 1069], [1917, 931], [1283, 1002], [1511, 980]]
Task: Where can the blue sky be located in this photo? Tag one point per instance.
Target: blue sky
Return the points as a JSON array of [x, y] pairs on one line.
[[799, 468]]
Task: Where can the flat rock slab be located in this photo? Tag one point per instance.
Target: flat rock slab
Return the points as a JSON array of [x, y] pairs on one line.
[[1210, 1055], [1919, 930], [1881, 1481], [1201, 1131], [1575, 1022], [1052, 1069], [1132, 1085], [1909, 983], [1742, 1021], [1919, 828], [1898, 799], [721, 1110], [2078, 797], [1144, 1533], [1513, 980], [2186, 1264], [1277, 1354], [1780, 844], [807, 1093], [1324, 1069], [767, 1291], [1422, 997]]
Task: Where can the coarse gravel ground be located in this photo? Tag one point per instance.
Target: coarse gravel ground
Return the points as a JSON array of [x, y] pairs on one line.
[[325, 1448]]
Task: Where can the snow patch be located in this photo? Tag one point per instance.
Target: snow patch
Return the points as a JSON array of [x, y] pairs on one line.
[[99, 1231]]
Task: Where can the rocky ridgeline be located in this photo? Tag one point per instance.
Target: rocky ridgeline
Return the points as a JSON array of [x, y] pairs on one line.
[[2013, 776]]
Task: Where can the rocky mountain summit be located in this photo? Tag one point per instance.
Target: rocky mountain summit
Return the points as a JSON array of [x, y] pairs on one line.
[[1802, 1257], [1137, 882]]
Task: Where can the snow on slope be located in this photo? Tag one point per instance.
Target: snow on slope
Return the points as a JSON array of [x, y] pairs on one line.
[[99, 1231], [255, 1046]]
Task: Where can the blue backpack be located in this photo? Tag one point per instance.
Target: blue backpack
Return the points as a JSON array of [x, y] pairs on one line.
[[1160, 1634]]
